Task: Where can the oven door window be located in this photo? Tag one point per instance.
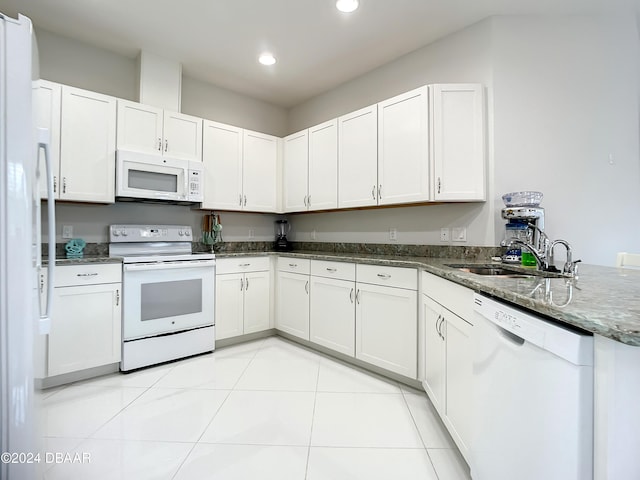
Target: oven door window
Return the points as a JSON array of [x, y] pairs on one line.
[[170, 299], [158, 301]]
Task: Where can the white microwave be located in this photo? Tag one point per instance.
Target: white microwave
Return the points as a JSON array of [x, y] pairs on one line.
[[155, 177]]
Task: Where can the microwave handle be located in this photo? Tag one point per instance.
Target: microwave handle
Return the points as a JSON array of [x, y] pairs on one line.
[[142, 267]]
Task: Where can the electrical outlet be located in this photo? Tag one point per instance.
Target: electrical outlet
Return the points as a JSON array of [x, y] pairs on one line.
[[252, 233], [459, 234], [444, 235], [314, 234], [67, 231], [393, 234]]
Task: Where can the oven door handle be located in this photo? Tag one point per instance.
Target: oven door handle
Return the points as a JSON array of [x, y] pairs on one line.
[[139, 267]]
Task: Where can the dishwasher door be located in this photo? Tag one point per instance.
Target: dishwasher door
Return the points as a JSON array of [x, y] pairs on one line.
[[533, 397]]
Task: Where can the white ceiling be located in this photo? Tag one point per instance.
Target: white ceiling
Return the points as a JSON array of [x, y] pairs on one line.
[[317, 47]]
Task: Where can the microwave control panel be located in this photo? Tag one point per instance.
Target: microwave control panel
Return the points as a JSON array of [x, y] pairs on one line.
[[195, 185]]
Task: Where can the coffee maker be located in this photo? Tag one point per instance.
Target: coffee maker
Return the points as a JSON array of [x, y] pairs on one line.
[[282, 229], [525, 223]]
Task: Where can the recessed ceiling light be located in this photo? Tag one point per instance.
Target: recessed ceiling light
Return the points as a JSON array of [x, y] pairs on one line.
[[267, 59], [347, 6]]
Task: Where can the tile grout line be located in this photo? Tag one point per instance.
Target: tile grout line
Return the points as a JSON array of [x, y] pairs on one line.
[[313, 414], [415, 424]]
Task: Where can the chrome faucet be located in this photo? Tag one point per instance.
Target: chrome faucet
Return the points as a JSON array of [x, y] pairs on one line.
[[570, 267]]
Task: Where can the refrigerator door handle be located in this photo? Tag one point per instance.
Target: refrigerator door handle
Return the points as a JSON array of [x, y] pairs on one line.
[[43, 143]]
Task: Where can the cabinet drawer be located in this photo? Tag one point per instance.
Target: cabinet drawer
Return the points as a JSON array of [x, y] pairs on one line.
[[388, 276], [340, 270], [242, 264], [88, 274], [294, 265], [453, 297]]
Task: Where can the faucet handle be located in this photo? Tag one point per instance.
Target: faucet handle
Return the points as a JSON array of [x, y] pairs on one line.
[[571, 268]]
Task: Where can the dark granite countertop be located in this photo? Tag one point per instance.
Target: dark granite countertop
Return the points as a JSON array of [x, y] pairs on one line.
[[602, 300]]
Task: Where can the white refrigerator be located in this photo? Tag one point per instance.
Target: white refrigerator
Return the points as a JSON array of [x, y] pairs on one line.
[[20, 260]]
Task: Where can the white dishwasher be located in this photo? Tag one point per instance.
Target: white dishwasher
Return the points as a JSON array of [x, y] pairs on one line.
[[533, 397]]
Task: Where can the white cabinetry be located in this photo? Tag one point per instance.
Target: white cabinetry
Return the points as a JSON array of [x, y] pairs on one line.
[[243, 296], [240, 169], [87, 146], [387, 318], [403, 148], [332, 305], [311, 169], [448, 354], [458, 142], [46, 111], [148, 129], [293, 296], [296, 171], [358, 158], [85, 328]]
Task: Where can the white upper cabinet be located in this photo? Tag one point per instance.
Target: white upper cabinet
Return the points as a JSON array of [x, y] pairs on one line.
[[222, 157], [46, 113], [296, 172], [358, 158], [260, 162], [457, 130], [323, 166], [87, 146], [240, 169], [149, 129], [403, 148]]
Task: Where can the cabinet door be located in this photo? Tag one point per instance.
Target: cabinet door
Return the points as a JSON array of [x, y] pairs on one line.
[[459, 377], [182, 136], [293, 304], [222, 157], [259, 172], [387, 328], [256, 301], [85, 330], [46, 110], [403, 148], [296, 171], [333, 313], [323, 166], [358, 158], [458, 142], [139, 127], [87, 146], [229, 305], [434, 368]]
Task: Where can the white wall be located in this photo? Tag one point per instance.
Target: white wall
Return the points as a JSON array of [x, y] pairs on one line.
[[464, 57], [565, 99]]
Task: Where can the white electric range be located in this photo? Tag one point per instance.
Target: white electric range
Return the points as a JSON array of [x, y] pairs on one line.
[[168, 294]]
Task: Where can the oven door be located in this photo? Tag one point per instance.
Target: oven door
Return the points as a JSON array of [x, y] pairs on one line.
[[167, 297]]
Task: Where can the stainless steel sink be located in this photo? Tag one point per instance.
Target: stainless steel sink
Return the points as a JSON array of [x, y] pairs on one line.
[[501, 270]]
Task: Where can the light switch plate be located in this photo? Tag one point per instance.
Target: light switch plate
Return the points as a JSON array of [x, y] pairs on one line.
[[444, 235], [67, 231]]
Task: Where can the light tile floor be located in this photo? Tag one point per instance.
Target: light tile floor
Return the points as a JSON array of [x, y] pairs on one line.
[[266, 409]]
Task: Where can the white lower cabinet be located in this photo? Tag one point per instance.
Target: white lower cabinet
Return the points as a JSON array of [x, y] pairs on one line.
[[448, 355], [293, 297], [86, 324], [243, 296], [332, 308], [387, 318]]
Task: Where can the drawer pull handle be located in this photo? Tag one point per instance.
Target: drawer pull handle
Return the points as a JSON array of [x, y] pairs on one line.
[[293, 265], [86, 274], [384, 276], [245, 264], [332, 270]]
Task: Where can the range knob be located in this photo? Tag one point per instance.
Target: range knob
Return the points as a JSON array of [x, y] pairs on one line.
[[187, 233], [124, 232], [116, 232], [180, 232]]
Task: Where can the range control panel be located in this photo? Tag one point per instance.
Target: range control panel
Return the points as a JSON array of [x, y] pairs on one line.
[[149, 233]]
